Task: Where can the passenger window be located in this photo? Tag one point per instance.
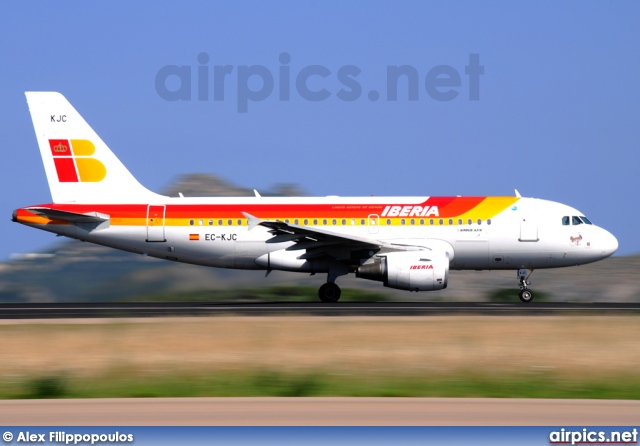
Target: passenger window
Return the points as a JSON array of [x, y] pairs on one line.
[[565, 221]]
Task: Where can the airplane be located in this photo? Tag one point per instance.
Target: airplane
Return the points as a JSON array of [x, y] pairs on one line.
[[407, 243]]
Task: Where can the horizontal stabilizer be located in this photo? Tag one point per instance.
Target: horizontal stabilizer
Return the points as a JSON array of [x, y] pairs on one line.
[[71, 217]]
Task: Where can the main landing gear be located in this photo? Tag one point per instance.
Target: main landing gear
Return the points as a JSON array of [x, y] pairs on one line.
[[526, 295], [329, 292]]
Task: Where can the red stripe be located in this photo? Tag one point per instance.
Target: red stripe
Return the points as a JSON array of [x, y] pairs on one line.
[[448, 207], [66, 170]]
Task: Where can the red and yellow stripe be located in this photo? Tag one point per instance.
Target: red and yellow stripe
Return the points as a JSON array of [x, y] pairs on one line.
[[454, 208]]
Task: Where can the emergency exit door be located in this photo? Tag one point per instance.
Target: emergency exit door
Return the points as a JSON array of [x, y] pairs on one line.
[[374, 223]]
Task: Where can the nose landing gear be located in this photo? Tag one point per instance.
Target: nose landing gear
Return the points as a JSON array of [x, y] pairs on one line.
[[526, 295]]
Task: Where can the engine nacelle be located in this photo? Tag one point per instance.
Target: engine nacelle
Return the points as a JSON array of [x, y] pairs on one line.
[[409, 270]]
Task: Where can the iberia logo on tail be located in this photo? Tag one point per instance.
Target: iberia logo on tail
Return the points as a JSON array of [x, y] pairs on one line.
[[74, 162]]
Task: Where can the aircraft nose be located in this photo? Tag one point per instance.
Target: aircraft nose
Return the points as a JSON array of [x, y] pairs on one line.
[[607, 243]]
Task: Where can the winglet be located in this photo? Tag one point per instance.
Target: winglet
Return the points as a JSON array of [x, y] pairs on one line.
[[518, 193], [257, 193], [252, 221]]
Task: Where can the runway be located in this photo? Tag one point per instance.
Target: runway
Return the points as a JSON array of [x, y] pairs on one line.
[[91, 310], [319, 412]]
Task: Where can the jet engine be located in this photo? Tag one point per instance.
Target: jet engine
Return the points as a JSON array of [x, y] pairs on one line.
[[409, 270]]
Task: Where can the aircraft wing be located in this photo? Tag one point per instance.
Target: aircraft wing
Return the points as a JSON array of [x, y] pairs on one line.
[[71, 217], [317, 242]]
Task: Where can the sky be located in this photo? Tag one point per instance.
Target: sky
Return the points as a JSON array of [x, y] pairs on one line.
[[343, 98]]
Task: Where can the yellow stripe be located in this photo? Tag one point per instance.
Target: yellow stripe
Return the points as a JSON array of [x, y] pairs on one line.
[[489, 208]]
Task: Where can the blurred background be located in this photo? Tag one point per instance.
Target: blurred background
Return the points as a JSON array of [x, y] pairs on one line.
[[295, 98]]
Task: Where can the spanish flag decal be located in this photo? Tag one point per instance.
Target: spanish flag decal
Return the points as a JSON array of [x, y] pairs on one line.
[[194, 236], [74, 163]]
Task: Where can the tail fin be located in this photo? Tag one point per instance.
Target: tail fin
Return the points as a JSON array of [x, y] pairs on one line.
[[80, 167]]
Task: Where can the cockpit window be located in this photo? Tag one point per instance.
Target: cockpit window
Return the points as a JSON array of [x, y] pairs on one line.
[[575, 220]]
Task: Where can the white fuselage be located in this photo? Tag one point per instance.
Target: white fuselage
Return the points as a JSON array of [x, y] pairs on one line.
[[529, 234]]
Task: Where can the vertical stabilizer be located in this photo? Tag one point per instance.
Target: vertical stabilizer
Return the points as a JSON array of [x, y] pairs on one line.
[[80, 167]]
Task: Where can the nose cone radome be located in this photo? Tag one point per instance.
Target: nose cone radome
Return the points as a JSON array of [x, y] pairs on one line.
[[608, 243]]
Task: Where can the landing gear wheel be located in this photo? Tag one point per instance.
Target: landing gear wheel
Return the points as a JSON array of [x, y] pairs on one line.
[[526, 295], [329, 292]]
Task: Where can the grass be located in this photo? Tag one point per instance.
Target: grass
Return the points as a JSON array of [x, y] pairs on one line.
[[283, 293], [283, 384], [443, 356]]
